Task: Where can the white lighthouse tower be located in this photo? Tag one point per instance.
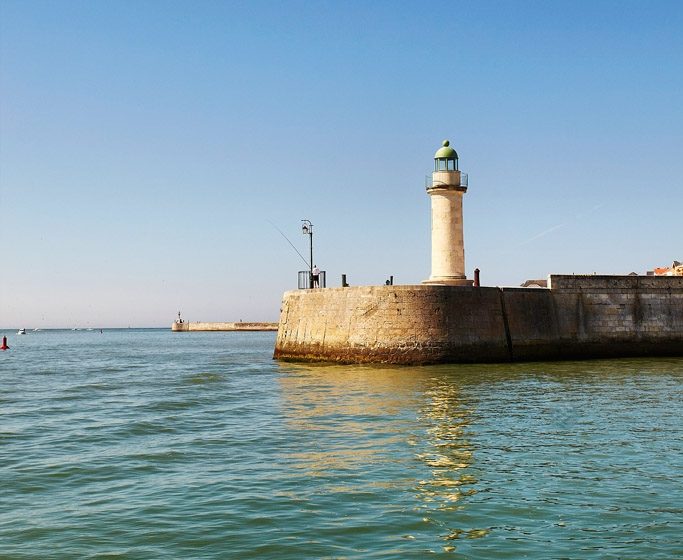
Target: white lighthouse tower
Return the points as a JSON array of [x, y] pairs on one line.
[[446, 188]]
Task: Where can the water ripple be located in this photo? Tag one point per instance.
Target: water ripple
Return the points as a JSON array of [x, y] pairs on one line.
[[149, 444]]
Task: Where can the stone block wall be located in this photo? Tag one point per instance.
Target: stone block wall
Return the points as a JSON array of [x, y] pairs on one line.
[[611, 316], [581, 317], [394, 324]]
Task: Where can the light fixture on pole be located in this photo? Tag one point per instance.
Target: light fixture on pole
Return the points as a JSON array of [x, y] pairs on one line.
[[307, 229]]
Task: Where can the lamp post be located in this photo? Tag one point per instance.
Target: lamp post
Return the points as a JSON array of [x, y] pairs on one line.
[[307, 229]]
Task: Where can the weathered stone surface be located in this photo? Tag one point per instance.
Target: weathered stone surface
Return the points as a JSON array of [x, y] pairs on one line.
[[581, 317]]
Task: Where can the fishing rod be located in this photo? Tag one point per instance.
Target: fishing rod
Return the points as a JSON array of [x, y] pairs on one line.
[[292, 244]]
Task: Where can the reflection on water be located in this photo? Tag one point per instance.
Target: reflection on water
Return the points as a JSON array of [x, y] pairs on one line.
[[507, 458], [448, 452], [364, 416], [350, 410]]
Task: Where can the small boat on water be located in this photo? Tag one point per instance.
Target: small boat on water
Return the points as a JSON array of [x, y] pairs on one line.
[[21, 331]]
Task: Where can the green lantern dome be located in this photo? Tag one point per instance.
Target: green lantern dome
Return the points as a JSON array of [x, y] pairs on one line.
[[446, 152], [446, 158]]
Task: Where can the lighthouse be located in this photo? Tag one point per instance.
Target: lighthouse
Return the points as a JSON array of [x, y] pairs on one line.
[[445, 189]]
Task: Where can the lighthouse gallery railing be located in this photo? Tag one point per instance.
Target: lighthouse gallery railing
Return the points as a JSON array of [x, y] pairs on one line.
[[429, 181]]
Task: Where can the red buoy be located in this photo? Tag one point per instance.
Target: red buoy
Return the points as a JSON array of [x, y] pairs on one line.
[[4, 344]]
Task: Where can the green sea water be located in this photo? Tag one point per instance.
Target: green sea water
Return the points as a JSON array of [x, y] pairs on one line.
[[137, 444]]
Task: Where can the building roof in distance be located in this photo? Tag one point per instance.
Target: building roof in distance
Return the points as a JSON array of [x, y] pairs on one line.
[[535, 284]]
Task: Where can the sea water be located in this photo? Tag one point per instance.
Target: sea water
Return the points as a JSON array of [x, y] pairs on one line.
[[152, 444]]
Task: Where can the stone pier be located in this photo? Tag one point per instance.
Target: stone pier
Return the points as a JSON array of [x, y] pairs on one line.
[[577, 317]]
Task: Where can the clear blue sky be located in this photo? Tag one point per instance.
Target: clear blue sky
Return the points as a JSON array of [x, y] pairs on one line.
[[146, 147]]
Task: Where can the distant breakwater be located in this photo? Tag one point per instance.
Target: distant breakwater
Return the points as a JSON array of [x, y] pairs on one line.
[[241, 326]]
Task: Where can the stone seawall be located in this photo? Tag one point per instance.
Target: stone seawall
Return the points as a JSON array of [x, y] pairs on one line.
[[580, 317], [198, 326]]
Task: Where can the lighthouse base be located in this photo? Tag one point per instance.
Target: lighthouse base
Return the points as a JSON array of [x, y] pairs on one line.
[[448, 281]]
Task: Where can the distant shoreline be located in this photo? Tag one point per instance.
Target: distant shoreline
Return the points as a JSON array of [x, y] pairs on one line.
[[29, 331]]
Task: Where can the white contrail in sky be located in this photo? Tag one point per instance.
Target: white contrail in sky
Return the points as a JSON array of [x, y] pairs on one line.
[[545, 232], [560, 226]]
